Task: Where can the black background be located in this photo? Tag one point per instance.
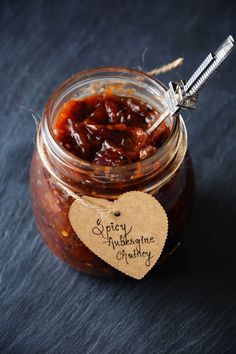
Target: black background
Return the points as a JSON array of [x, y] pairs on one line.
[[189, 306]]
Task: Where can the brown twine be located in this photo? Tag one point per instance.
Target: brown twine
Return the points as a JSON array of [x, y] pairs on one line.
[[167, 67]]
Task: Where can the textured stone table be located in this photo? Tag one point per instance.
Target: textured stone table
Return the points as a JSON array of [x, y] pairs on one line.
[[189, 306]]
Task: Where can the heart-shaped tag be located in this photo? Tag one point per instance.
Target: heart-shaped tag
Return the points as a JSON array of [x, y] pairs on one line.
[[129, 233]]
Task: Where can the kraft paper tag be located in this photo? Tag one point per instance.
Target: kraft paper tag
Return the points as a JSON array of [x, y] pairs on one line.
[[129, 233]]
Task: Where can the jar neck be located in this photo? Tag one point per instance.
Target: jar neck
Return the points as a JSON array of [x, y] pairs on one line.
[[88, 178]]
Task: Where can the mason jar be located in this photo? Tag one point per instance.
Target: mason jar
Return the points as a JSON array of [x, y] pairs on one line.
[[57, 176]]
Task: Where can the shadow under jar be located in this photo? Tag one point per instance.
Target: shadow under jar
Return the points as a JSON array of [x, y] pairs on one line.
[[56, 174]]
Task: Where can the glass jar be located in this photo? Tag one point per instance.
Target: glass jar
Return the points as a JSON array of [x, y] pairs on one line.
[[167, 174]]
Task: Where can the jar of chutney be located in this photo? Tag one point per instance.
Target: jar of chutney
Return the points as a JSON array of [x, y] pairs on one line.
[[92, 141]]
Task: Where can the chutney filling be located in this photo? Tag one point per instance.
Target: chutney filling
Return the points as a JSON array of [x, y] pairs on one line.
[[108, 129]]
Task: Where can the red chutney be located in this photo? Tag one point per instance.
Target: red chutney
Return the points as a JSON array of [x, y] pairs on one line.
[[98, 146], [109, 130]]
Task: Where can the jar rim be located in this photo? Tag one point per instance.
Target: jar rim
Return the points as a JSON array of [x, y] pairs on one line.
[[77, 163]]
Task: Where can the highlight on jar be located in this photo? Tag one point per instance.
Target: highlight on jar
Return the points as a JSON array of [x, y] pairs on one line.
[[111, 176]]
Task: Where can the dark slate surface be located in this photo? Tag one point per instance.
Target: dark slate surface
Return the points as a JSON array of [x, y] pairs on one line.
[[47, 307]]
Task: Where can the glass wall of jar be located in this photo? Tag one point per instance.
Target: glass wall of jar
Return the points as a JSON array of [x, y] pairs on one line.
[[56, 175]]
